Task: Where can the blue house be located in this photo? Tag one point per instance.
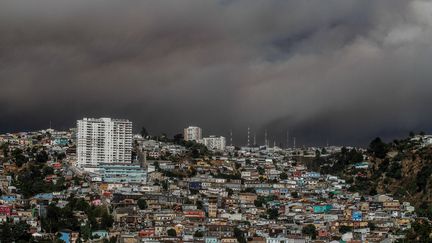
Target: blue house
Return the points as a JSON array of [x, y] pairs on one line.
[[7, 198], [65, 235]]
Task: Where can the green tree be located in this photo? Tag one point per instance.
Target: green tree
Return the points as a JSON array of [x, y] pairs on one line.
[[345, 229], [46, 170], [42, 157], [5, 149], [171, 232], [355, 156], [106, 221], [395, 170], [85, 231], [142, 203], [423, 177], [51, 222], [239, 235], [80, 204], [310, 230], [378, 148], [260, 202], [272, 213], [59, 218], [373, 191], [323, 151], [424, 210], [61, 156], [198, 234], [19, 157], [260, 170], [283, 176]]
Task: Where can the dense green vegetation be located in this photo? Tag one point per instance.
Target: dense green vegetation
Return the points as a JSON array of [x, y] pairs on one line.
[[64, 218], [272, 213], [263, 200], [18, 157], [378, 148], [32, 169], [420, 232], [336, 163], [14, 232], [30, 180], [198, 150], [423, 177]]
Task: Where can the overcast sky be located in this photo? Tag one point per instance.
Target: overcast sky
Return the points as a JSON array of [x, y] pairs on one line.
[[341, 71]]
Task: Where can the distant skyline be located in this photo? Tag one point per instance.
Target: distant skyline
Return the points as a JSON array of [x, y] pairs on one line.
[[240, 139], [342, 71]]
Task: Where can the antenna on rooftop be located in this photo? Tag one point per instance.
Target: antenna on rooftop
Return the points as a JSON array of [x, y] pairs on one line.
[[265, 138], [287, 139], [248, 137], [294, 142], [231, 137], [254, 143]]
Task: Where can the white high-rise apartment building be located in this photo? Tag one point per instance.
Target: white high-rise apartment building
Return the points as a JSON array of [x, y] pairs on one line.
[[103, 140], [192, 134], [214, 143]]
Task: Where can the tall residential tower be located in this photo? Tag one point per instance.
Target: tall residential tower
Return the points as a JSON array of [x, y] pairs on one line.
[[103, 140]]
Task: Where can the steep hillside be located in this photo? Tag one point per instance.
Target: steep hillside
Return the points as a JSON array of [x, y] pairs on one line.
[[402, 168], [405, 171]]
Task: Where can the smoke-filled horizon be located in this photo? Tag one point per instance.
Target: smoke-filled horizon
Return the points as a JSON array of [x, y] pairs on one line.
[[337, 71]]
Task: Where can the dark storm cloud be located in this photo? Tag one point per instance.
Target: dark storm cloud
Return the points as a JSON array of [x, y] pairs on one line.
[[335, 70]]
